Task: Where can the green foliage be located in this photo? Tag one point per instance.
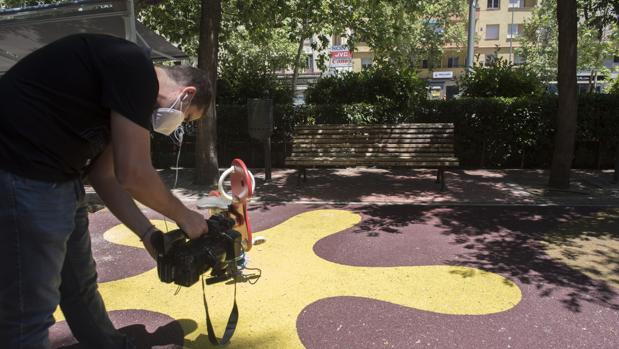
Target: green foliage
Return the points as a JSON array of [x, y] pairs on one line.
[[402, 33], [178, 21], [238, 87], [513, 132], [496, 132], [379, 94], [598, 37], [247, 68], [490, 132], [232, 122], [613, 88], [501, 79]]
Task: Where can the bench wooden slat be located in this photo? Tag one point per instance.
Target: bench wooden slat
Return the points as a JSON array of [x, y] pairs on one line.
[[318, 158], [374, 132], [403, 147], [377, 142], [336, 137], [417, 164], [296, 154], [371, 127]]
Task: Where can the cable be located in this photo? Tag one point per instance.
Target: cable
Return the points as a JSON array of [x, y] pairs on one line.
[[177, 138]]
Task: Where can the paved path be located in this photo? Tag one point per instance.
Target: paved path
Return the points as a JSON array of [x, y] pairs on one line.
[[406, 186], [375, 259]]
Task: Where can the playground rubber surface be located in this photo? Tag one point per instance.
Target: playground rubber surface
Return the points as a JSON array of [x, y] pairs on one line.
[[380, 276]]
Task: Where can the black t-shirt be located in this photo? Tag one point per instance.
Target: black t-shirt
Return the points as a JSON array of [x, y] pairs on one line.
[[55, 103]]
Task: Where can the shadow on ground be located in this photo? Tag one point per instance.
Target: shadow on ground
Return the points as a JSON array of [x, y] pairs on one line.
[[515, 242], [399, 185]]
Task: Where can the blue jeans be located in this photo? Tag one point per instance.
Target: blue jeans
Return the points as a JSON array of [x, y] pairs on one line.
[[46, 261]]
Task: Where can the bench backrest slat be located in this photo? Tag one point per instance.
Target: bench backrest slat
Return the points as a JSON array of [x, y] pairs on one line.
[[413, 144]]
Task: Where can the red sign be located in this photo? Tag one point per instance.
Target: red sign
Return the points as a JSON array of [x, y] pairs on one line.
[[341, 54], [341, 62]]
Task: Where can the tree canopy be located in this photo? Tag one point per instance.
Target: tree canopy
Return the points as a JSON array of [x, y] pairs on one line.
[[598, 37]]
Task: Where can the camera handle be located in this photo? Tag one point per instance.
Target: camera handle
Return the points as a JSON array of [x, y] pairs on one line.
[[242, 181]]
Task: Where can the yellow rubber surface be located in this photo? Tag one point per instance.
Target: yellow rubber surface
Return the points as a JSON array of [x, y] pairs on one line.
[[589, 245], [293, 277]]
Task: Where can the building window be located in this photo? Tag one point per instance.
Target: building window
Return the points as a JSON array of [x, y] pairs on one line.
[[490, 59], [366, 62], [516, 4], [453, 62], [310, 63], [337, 40], [494, 4], [492, 32], [514, 31], [518, 59]]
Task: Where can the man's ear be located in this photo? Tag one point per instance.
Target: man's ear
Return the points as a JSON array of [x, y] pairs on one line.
[[189, 92]]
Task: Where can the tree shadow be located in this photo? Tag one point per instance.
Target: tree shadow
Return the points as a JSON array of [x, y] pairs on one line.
[[344, 185], [512, 241], [403, 185]]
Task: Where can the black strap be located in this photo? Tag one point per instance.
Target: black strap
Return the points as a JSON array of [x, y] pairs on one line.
[[230, 327]]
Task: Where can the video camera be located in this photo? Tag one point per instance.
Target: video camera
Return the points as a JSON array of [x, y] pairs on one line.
[[221, 250], [183, 261]]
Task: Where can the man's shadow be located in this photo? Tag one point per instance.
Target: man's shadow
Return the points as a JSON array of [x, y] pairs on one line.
[[169, 336]]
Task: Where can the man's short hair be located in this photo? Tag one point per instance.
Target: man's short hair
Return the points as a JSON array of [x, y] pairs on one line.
[[189, 76]]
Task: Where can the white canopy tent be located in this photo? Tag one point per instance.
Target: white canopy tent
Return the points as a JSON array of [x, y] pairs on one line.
[[23, 30]]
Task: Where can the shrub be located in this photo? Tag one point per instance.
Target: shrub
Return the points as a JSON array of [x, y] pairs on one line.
[[613, 88], [237, 88], [393, 94], [501, 79]]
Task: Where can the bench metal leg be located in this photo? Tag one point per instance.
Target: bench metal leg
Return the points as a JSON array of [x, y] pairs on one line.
[[440, 178], [301, 172]]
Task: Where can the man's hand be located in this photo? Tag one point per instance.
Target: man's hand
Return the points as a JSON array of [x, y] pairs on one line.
[[193, 224], [153, 242]]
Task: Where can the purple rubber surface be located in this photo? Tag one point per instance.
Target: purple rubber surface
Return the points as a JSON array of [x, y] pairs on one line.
[[560, 307], [147, 328]]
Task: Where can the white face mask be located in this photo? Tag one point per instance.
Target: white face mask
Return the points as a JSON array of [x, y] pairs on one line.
[[167, 120]]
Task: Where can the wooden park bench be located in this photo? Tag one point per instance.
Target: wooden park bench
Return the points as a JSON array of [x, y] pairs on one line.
[[424, 145]]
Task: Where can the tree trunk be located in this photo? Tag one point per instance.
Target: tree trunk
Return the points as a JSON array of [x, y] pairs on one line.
[[616, 174], [568, 99], [207, 167]]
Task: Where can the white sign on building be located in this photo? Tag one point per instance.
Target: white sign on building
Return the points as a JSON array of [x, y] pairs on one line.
[[443, 75], [341, 58]]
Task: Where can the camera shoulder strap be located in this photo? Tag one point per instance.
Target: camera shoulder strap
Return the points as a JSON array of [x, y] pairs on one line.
[[230, 327]]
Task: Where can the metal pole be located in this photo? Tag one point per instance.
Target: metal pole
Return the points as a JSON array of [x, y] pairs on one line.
[[470, 50], [130, 22], [511, 39], [267, 159]]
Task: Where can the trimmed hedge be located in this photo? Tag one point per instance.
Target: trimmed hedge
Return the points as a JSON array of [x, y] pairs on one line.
[[519, 132], [490, 132]]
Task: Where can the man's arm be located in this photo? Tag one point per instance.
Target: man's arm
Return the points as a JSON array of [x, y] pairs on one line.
[[117, 200], [133, 170]]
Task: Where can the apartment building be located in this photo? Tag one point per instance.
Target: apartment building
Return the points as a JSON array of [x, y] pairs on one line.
[[498, 25]]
